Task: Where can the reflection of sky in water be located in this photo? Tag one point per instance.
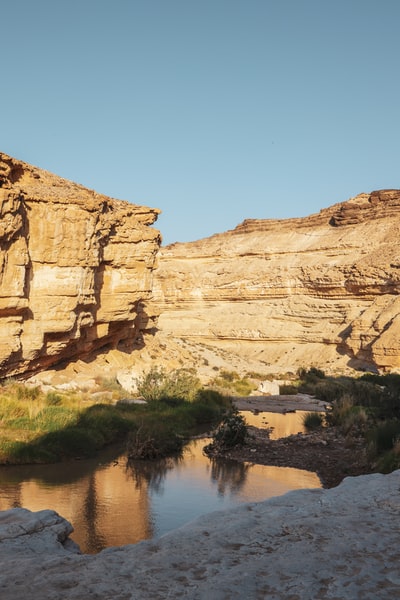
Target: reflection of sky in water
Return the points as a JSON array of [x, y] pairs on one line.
[[111, 505]]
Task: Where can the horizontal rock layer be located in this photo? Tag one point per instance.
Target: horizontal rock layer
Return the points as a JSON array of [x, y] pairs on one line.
[[75, 269], [336, 543], [321, 290]]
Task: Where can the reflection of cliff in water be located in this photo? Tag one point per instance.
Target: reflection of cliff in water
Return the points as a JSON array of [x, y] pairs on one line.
[[112, 503], [94, 495]]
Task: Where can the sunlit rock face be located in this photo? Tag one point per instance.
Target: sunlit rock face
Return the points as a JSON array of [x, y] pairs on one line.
[[320, 290], [75, 269]]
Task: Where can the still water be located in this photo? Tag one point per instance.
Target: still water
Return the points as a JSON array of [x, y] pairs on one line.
[[281, 425], [111, 504]]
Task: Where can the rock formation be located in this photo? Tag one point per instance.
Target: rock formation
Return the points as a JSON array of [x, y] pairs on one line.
[[321, 290], [75, 269], [336, 543]]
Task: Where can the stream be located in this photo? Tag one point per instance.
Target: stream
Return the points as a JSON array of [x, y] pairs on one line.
[[110, 503]]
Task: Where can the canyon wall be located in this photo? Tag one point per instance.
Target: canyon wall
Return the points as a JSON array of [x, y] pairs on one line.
[[321, 290], [75, 269]]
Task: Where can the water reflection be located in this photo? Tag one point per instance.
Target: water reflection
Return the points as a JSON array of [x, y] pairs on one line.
[[282, 425], [152, 473], [111, 503], [228, 475]]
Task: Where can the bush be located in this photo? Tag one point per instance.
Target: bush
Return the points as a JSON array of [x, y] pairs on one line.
[[208, 396], [310, 375], [384, 436], [233, 383], [355, 421], [153, 442], [53, 399], [288, 389], [24, 392], [231, 432], [172, 388], [340, 410], [313, 420]]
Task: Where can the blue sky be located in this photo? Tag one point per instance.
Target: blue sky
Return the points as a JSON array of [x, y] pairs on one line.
[[211, 110]]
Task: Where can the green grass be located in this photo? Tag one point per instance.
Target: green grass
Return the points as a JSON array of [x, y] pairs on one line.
[[40, 428], [231, 382], [367, 408]]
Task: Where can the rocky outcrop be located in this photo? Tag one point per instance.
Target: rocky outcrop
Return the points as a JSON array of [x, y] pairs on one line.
[[321, 290], [75, 269], [336, 543]]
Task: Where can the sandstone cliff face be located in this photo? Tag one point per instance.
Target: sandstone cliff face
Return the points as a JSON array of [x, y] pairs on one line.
[[75, 269], [322, 290]]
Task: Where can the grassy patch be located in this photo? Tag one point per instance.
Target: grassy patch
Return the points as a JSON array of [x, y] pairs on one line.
[[367, 407], [51, 427], [231, 382]]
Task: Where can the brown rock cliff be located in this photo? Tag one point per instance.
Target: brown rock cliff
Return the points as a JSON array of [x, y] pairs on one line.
[[321, 290], [75, 269]]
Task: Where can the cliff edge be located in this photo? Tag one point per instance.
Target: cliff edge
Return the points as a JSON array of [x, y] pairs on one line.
[[75, 269], [321, 290]]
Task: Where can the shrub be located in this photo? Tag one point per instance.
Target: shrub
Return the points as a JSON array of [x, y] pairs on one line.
[[209, 396], [24, 392], [233, 383], [231, 432], [172, 388], [310, 375], [384, 436], [340, 410], [259, 376], [53, 399], [313, 420], [288, 389], [355, 421], [153, 442]]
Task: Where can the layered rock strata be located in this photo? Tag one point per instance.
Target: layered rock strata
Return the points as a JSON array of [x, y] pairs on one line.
[[321, 290], [75, 269], [336, 543]]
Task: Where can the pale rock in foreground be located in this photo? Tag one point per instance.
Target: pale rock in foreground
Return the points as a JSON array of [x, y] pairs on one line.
[[336, 543]]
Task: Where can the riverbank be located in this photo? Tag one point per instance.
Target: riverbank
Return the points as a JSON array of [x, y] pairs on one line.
[[337, 543], [327, 451], [279, 403]]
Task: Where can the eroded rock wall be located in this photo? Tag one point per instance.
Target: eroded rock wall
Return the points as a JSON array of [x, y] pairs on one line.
[[321, 290], [75, 269]]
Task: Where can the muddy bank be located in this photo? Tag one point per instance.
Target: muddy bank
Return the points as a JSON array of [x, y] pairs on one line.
[[327, 451], [280, 404]]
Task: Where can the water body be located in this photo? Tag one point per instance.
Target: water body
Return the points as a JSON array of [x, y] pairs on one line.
[[110, 503], [282, 425]]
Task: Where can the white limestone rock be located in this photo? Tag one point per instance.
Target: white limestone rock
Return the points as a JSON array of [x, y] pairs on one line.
[[337, 543]]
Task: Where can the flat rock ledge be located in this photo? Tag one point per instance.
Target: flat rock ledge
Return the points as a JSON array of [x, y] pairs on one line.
[[323, 543]]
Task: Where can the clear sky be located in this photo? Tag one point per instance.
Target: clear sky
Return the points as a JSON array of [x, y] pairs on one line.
[[211, 110]]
